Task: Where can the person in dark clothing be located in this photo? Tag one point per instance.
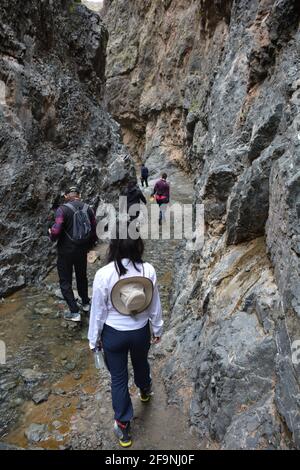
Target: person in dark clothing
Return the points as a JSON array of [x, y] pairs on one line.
[[161, 193], [134, 196], [144, 175], [72, 255]]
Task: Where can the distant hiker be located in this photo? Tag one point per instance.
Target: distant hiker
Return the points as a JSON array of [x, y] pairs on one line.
[[144, 175], [134, 196], [125, 304], [161, 193], [75, 231]]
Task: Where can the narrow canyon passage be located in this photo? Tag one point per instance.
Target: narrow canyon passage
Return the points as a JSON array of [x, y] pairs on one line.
[[88, 91], [52, 396]]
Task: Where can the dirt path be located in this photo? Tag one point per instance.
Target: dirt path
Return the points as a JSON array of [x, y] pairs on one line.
[[49, 361]]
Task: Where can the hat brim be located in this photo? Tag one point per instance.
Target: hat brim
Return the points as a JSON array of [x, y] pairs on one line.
[[116, 291]]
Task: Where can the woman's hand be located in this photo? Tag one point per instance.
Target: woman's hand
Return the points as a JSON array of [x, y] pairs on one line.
[[155, 339]]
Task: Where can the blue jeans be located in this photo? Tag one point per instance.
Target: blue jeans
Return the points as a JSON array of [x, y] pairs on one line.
[[116, 345], [162, 211]]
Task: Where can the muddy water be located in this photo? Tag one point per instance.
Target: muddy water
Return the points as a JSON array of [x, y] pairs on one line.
[[48, 359]]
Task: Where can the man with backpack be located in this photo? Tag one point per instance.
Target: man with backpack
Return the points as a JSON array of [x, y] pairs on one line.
[[144, 175], [75, 232]]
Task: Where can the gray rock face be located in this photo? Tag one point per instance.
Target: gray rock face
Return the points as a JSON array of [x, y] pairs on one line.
[[248, 205], [283, 235], [54, 128], [144, 77], [224, 77]]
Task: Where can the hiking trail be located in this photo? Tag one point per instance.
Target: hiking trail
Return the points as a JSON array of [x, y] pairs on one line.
[[52, 395]]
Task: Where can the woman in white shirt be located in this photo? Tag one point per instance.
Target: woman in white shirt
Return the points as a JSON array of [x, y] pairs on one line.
[[125, 303]]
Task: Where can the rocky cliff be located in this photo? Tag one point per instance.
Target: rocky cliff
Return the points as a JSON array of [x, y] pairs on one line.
[[54, 127], [214, 86]]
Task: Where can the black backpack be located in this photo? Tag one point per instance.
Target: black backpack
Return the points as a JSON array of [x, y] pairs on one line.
[[81, 224]]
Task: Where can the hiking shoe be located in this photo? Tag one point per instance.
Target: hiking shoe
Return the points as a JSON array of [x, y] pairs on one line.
[[72, 316], [122, 431], [145, 395]]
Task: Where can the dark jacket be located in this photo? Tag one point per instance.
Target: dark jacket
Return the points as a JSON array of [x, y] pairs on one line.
[[144, 172], [162, 190], [64, 223], [134, 196]]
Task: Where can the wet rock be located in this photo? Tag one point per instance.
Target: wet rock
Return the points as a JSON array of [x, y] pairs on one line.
[[37, 432], [58, 391], [41, 396], [70, 366], [77, 376]]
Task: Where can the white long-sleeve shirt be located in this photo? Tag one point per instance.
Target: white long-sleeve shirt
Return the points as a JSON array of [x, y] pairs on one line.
[[103, 311]]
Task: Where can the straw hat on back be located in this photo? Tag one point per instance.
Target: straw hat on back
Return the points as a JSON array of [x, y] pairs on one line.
[[132, 295]]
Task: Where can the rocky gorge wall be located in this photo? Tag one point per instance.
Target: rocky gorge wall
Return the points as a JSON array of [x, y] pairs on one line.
[[214, 86], [54, 128]]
